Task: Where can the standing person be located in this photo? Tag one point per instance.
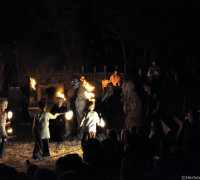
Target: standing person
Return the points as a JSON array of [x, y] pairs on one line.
[[57, 126], [76, 102], [115, 79], [3, 118], [89, 122], [25, 100], [153, 75], [151, 103], [41, 131], [132, 107]]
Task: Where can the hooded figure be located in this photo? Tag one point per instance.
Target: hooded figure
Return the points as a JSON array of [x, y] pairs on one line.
[[76, 103], [132, 106]]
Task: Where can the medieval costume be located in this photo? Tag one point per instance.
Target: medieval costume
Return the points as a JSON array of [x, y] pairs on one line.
[[76, 102], [57, 126], [132, 107]]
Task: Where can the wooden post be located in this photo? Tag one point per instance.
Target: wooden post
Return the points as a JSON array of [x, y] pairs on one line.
[[37, 71], [51, 70], [104, 72], [94, 75], [63, 73], [64, 68], [82, 69], [184, 103], [38, 91], [124, 68]]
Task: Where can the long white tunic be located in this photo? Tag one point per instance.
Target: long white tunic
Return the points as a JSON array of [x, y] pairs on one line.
[[3, 118], [90, 121], [41, 124]]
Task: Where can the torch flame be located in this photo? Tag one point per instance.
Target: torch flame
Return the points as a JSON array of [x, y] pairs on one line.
[[89, 88], [9, 130], [89, 96], [32, 83], [10, 114], [69, 115], [87, 85], [59, 94], [102, 123]]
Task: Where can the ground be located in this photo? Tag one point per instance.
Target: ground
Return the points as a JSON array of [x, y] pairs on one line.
[[20, 147], [18, 151]]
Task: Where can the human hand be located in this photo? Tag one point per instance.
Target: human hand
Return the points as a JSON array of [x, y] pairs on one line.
[[57, 114], [8, 123], [6, 137]]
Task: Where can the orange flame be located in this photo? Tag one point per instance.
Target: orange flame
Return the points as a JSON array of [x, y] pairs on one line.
[[69, 115], [9, 130], [61, 95], [32, 83], [89, 88]]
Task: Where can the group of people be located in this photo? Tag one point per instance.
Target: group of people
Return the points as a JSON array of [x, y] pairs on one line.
[[149, 147], [83, 122]]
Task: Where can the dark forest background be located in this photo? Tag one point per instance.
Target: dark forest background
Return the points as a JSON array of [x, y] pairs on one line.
[[72, 33]]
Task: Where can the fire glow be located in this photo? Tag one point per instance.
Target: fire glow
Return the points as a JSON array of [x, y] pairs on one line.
[[89, 88], [69, 115], [33, 83], [61, 95], [9, 131], [10, 114], [102, 123]]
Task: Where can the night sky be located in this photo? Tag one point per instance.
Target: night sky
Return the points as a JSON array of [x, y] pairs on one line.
[[54, 33]]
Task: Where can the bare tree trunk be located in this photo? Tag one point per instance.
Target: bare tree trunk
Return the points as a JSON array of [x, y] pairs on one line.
[[122, 44], [66, 50], [144, 56]]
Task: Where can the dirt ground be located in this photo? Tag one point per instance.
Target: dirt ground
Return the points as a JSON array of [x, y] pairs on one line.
[[18, 151]]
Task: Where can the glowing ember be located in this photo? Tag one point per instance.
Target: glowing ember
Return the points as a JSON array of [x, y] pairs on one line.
[[69, 115], [59, 94], [89, 88], [102, 123], [10, 114], [9, 131], [32, 83]]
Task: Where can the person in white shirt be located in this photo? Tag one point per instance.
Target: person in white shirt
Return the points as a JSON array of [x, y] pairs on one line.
[[41, 131], [3, 118], [89, 122]]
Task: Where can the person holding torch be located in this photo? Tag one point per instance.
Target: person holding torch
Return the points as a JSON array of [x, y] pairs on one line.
[[89, 123], [3, 118]]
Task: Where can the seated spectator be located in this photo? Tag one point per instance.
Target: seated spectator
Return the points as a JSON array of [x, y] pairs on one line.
[[70, 162], [25, 178], [30, 171], [8, 173], [46, 174], [69, 175]]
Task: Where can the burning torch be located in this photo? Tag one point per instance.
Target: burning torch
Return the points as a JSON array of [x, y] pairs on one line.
[[33, 83], [9, 129], [68, 115], [89, 90]]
